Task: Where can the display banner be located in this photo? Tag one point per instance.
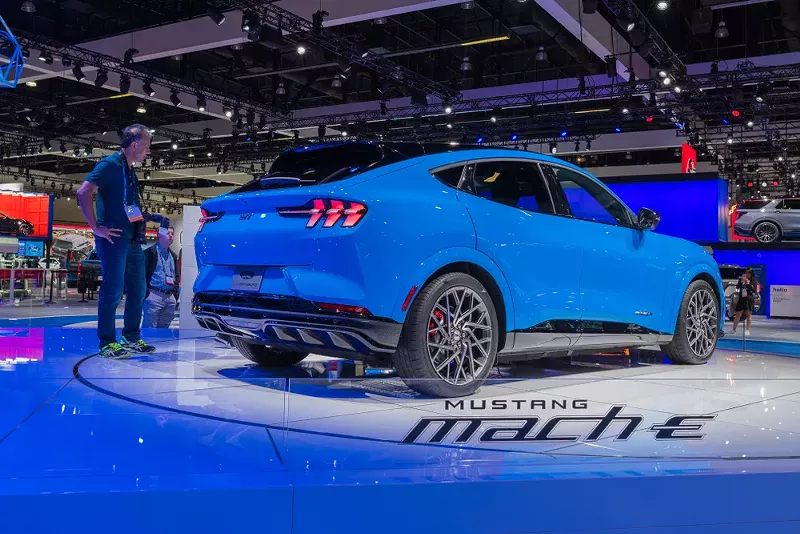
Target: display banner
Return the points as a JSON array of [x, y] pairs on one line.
[[26, 215], [688, 159], [760, 270], [784, 301]]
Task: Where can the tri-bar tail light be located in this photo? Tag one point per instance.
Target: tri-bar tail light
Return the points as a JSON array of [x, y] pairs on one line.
[[331, 210], [207, 217]]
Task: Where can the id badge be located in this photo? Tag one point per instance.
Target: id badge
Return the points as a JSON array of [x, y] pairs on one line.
[[134, 213], [744, 292], [170, 281]]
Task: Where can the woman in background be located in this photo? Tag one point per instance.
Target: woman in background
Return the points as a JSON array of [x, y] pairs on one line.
[[746, 289]]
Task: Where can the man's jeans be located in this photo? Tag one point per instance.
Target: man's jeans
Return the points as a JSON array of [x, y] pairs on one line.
[[123, 268], [159, 310]]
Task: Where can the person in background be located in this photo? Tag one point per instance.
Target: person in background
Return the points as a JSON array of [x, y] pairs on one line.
[[115, 225], [746, 288], [163, 282]]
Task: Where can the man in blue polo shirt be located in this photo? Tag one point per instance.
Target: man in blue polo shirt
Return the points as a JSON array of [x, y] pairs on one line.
[[115, 228]]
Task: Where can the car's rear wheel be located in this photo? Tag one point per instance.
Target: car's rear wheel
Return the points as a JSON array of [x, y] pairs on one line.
[[25, 229], [267, 356], [767, 232], [697, 329], [450, 336]]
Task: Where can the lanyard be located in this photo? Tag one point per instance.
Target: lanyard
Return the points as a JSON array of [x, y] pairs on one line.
[[126, 181]]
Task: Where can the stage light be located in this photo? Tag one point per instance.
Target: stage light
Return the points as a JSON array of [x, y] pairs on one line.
[[618, 129], [725, 121], [201, 103], [749, 184], [124, 84], [301, 49], [730, 140], [736, 113], [479, 140], [662, 5], [493, 118], [625, 110], [667, 80], [78, 73], [775, 183], [514, 137], [173, 97], [216, 16], [750, 124], [148, 89], [448, 109], [449, 126], [101, 79], [649, 118], [564, 133], [553, 148], [141, 109], [677, 89]]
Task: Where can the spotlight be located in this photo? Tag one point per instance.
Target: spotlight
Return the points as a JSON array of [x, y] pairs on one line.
[[449, 126], [62, 147], [466, 64], [301, 49], [174, 144], [46, 57], [618, 129], [28, 7], [78, 73], [227, 111], [249, 21], [448, 109], [626, 22], [101, 79], [124, 84], [493, 118], [667, 80], [344, 133], [479, 140], [141, 109], [173, 97], [215, 15], [625, 110], [649, 118], [148, 89], [750, 124], [541, 54], [662, 5], [677, 89], [564, 133], [722, 31], [730, 139], [514, 137], [553, 148], [281, 89], [736, 113], [201, 103], [336, 83]]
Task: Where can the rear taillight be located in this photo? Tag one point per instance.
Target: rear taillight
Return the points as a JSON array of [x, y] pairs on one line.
[[343, 308], [332, 211], [207, 217]]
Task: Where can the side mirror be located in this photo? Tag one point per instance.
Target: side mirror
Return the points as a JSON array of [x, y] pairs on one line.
[[648, 219]]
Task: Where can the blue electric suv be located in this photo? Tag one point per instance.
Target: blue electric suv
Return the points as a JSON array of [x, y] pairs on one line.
[[441, 261]]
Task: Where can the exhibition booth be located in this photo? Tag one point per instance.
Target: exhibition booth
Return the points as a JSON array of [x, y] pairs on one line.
[[195, 426]]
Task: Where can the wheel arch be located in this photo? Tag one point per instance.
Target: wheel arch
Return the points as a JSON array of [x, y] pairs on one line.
[[698, 272], [768, 219], [473, 263]]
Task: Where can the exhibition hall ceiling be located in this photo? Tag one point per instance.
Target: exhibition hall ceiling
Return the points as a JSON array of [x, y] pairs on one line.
[[576, 75]]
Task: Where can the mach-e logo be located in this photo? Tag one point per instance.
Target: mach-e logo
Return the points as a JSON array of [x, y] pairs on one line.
[[245, 216], [461, 430]]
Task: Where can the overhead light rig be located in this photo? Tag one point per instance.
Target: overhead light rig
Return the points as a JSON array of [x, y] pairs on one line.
[[78, 56], [259, 13]]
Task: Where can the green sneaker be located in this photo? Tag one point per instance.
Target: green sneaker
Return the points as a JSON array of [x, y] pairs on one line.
[[114, 351], [137, 346]]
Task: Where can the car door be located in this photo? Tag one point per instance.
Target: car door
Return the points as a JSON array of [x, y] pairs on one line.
[[515, 223], [624, 274], [788, 214]]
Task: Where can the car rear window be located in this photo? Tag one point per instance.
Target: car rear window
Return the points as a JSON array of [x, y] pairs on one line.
[[731, 273], [753, 204], [317, 164]]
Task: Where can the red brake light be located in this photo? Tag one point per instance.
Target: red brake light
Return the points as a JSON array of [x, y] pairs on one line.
[[206, 217], [343, 308], [331, 210]]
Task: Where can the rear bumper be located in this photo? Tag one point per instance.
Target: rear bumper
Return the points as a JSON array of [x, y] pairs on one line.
[[297, 324], [741, 231]]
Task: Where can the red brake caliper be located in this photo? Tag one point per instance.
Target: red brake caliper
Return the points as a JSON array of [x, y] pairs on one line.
[[439, 315]]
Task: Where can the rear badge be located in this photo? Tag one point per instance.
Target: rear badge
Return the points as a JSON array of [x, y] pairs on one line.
[[245, 216]]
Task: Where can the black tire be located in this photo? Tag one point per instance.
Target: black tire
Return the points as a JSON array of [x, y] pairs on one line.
[[776, 231], [266, 356], [679, 349], [412, 361], [25, 229]]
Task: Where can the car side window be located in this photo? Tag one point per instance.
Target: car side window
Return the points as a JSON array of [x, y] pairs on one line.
[[513, 183], [450, 176], [587, 199], [791, 204]]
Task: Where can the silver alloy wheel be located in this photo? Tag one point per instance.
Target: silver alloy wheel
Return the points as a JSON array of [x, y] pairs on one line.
[[459, 336], [767, 232], [702, 323]]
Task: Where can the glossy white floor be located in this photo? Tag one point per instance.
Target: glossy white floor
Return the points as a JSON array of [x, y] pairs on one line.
[[196, 421]]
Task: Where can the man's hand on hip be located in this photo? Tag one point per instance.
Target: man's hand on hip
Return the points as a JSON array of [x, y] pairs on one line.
[[107, 233]]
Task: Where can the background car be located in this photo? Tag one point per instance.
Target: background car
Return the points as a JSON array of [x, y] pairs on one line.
[[768, 221], [730, 277], [14, 227], [441, 263]]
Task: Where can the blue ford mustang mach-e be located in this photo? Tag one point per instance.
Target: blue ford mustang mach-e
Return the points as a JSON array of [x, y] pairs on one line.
[[443, 261]]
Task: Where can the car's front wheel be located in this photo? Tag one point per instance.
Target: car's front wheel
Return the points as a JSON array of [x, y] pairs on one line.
[[267, 356], [450, 338], [767, 232], [25, 229], [697, 328]]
